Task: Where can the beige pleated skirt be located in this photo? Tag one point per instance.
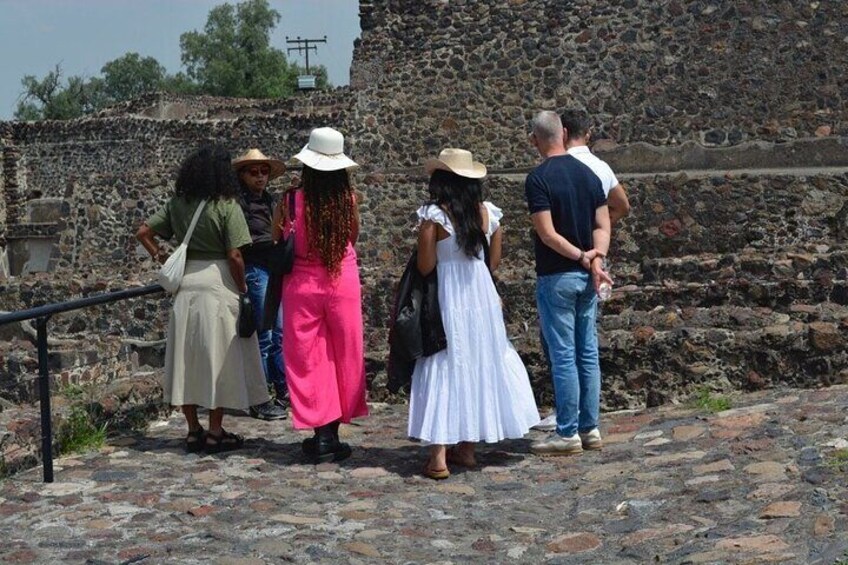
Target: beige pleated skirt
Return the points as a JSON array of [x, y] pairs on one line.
[[206, 363]]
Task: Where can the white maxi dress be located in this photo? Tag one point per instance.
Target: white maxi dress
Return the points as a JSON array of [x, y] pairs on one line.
[[477, 389]]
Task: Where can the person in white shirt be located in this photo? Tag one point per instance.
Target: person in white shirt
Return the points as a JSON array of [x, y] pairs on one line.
[[577, 131]]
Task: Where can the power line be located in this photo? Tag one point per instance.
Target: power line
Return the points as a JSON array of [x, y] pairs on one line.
[[302, 46]]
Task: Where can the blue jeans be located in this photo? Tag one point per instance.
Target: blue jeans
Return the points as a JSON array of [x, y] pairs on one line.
[[270, 341], [568, 307]]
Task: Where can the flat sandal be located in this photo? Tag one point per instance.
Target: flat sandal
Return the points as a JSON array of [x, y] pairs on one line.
[[225, 442], [194, 441]]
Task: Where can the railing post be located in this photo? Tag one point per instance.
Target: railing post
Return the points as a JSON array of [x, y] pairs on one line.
[[44, 398]]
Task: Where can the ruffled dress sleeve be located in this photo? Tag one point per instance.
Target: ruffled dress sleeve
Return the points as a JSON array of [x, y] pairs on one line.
[[495, 215], [432, 213]]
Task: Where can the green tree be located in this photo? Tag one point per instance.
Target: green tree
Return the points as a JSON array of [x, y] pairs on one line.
[[131, 76], [49, 99], [233, 55]]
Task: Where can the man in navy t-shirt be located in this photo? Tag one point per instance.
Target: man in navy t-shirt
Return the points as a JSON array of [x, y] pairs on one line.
[[572, 234]]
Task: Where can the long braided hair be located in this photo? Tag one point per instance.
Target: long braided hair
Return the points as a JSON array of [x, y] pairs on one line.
[[329, 214], [462, 197]]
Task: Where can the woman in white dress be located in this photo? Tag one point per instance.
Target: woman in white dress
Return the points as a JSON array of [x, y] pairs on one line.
[[477, 388]]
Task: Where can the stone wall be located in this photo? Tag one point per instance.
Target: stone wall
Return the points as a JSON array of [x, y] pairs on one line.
[[470, 74], [84, 185], [733, 279], [728, 281]]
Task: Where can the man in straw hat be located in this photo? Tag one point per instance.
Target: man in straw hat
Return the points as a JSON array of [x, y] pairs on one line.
[[255, 171], [571, 224]]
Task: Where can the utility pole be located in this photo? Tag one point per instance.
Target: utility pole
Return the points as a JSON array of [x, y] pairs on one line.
[[303, 46]]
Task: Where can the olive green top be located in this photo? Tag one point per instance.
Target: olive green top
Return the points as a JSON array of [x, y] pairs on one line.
[[221, 226]]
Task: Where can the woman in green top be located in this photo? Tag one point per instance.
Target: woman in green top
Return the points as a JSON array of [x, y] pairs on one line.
[[206, 363]]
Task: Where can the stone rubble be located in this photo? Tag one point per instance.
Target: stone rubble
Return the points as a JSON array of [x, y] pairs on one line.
[[761, 483]]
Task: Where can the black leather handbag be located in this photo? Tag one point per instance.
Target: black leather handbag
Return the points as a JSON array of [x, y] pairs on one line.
[[281, 260], [246, 316], [280, 263], [416, 326]]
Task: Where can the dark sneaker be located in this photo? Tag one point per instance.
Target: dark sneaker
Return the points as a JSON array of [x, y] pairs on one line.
[[282, 402], [268, 411]]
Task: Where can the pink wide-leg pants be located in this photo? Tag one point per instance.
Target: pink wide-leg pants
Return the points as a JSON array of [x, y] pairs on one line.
[[323, 344]]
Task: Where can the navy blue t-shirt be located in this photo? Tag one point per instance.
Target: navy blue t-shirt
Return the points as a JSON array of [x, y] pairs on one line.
[[571, 192]]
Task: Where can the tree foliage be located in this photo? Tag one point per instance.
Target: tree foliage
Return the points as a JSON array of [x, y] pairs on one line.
[[49, 99], [232, 56], [131, 76]]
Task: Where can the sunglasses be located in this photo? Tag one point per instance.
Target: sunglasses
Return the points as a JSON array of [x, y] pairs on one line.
[[259, 171]]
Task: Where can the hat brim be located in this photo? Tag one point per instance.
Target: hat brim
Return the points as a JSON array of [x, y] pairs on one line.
[[323, 162], [477, 170], [277, 167]]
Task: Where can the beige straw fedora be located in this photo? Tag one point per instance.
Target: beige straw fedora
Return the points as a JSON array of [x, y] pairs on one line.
[[325, 151], [457, 161], [256, 157]]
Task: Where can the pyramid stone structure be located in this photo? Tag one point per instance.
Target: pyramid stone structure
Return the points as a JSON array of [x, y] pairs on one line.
[[725, 121]]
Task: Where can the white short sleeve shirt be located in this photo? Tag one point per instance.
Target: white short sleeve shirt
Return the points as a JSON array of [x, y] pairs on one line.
[[599, 167]]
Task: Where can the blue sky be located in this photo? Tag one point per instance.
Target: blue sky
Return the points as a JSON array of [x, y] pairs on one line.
[[83, 35]]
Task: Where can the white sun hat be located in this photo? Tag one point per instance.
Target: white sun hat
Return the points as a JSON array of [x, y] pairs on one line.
[[325, 151], [457, 161]]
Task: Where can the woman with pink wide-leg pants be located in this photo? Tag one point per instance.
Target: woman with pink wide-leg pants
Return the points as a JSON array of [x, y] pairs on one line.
[[322, 299], [322, 343]]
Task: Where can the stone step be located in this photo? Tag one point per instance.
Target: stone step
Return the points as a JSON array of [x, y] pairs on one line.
[[787, 297], [795, 264], [728, 317], [777, 295], [677, 215], [634, 363]]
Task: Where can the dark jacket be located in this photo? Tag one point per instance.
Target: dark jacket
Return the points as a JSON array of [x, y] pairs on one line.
[[417, 330], [258, 213]]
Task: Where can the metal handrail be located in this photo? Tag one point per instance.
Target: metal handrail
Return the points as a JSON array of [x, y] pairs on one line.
[[41, 314]]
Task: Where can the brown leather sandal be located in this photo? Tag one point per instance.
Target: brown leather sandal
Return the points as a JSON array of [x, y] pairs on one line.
[[225, 442], [195, 440]]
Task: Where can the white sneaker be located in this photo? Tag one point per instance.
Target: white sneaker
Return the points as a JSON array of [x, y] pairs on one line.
[[592, 439], [546, 425], [557, 445]]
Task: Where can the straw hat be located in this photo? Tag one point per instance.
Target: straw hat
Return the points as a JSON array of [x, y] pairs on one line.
[[457, 161], [256, 157], [325, 151]]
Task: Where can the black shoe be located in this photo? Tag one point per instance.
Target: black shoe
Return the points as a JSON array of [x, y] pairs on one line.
[[268, 411], [308, 445], [329, 450], [325, 445]]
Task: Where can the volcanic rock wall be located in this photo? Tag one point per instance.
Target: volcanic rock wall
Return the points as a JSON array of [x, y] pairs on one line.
[[730, 274], [470, 73]]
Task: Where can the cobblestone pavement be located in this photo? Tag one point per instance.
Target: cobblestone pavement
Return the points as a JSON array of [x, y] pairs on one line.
[[762, 482]]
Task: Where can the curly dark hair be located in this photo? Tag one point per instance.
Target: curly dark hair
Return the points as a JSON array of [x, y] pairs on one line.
[[207, 173], [461, 197], [329, 214]]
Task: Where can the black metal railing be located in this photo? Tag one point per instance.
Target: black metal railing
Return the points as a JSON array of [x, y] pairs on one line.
[[41, 315]]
